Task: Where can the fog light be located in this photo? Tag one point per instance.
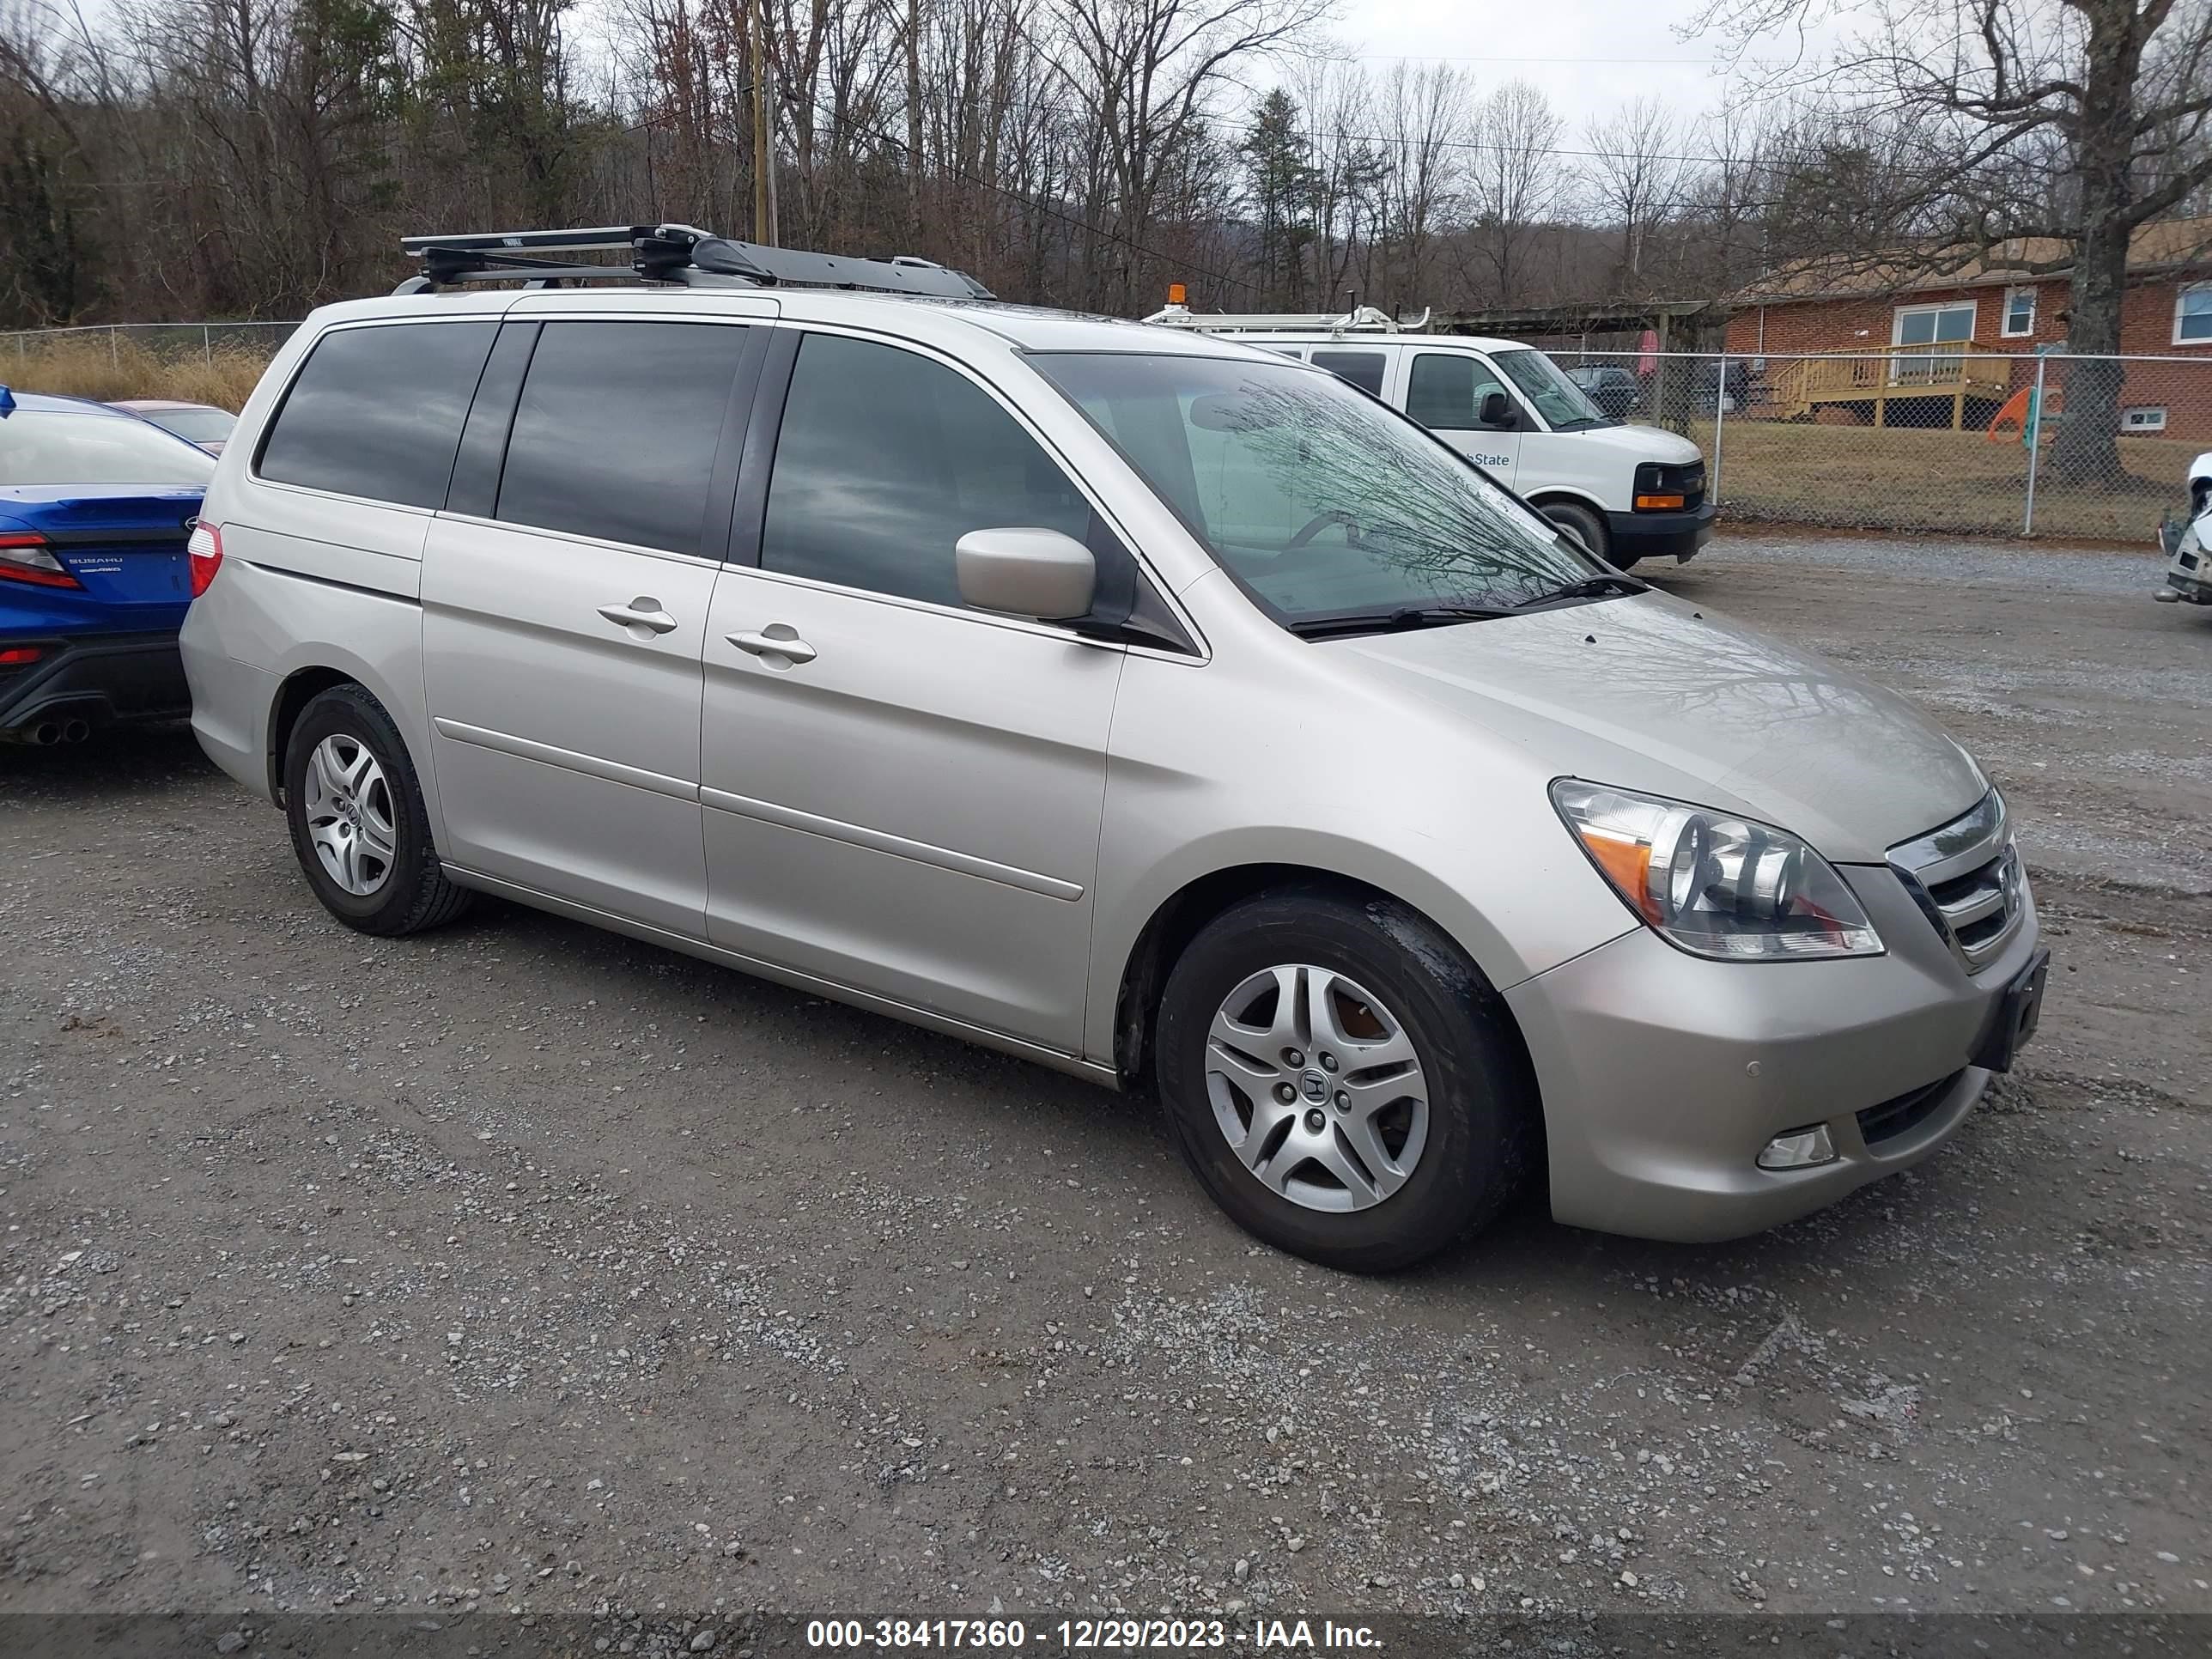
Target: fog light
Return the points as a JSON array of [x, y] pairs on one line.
[[1799, 1149]]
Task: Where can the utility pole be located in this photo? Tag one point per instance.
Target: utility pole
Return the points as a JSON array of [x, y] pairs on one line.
[[763, 143]]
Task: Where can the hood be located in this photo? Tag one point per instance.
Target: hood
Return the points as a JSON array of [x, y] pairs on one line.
[[1644, 693], [1639, 443]]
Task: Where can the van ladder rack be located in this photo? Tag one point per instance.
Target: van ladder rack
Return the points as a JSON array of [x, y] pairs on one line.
[[1360, 320], [668, 254]]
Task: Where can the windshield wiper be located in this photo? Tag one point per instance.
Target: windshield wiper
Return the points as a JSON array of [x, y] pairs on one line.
[[1592, 588], [1391, 622]]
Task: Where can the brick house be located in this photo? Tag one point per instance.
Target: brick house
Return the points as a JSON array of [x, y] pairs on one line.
[[1978, 330]]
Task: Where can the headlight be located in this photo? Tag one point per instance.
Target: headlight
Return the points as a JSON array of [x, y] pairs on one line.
[[1716, 886]]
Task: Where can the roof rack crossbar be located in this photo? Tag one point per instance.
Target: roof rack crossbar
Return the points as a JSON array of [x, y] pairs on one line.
[[670, 253]]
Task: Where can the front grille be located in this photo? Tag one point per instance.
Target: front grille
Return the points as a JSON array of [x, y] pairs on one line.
[[1906, 1113], [1966, 878]]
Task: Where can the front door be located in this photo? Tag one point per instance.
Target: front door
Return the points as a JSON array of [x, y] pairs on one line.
[[1445, 391], [562, 620], [904, 795]]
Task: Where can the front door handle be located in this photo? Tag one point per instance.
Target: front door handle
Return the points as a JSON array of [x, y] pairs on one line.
[[776, 639], [639, 613]]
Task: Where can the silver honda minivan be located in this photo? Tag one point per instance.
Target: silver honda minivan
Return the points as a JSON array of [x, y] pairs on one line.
[[1151, 706]]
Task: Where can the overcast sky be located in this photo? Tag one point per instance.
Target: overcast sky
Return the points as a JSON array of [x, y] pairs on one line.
[[1590, 57]]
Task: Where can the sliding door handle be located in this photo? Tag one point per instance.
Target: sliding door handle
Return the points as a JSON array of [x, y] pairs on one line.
[[776, 639]]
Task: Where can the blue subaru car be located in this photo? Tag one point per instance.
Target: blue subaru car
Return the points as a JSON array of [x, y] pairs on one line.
[[96, 507]]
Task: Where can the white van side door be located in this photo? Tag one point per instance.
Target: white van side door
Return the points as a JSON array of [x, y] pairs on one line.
[[1444, 389]]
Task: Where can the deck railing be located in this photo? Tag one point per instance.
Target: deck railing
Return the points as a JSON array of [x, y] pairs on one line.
[[1957, 369]]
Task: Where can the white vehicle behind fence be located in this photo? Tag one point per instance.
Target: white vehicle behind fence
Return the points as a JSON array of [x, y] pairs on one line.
[[2186, 540], [1625, 492]]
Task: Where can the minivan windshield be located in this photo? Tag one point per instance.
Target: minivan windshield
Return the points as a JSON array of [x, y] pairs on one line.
[[1323, 502], [1565, 406]]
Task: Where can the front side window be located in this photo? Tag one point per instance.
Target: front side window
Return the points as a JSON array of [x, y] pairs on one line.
[[377, 411], [885, 460], [1565, 406], [1362, 368], [1321, 502], [44, 447], [615, 430], [1446, 389], [2019, 312], [2192, 315]]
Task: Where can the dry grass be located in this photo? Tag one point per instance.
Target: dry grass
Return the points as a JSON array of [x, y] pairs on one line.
[[1860, 477], [90, 365]]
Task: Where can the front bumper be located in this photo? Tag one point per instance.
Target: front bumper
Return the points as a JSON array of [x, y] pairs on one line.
[[1661, 535], [1663, 1074], [2189, 563], [99, 677]]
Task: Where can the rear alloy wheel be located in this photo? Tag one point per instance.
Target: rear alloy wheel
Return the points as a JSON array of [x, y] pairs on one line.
[[350, 821], [1342, 1079], [359, 827], [1586, 529]]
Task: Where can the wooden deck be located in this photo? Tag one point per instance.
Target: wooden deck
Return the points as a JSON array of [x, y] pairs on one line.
[[1956, 371]]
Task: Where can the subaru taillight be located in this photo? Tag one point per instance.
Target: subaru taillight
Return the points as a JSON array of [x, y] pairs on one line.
[[24, 558], [205, 549]]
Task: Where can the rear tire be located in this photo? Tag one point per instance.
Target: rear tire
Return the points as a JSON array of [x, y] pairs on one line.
[[1587, 528], [359, 827], [1309, 1173]]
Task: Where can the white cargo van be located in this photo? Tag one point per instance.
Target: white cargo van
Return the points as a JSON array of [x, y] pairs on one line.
[[1625, 492]]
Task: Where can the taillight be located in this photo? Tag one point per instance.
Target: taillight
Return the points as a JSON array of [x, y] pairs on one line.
[[16, 656], [205, 549], [24, 558]]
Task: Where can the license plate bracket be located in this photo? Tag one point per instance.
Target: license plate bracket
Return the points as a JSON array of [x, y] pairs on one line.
[[2018, 1013]]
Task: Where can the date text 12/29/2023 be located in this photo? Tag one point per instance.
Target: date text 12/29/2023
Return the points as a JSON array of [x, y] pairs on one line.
[[1087, 1635]]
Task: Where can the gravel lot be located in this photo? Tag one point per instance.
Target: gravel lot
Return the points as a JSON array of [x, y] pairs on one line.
[[523, 1266]]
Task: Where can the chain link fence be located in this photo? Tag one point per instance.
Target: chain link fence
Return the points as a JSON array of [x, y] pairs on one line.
[[199, 363], [1944, 438]]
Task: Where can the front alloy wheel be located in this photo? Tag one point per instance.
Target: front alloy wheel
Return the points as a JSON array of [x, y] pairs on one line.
[[1341, 1077], [1317, 1088]]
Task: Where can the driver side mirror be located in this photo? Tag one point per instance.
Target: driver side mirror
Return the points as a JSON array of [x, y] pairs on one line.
[[1496, 411], [1026, 572]]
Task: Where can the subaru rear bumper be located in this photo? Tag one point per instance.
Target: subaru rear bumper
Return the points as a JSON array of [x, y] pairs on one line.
[[98, 678]]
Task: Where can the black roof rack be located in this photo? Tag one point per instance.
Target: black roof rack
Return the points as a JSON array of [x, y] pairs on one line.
[[668, 254]]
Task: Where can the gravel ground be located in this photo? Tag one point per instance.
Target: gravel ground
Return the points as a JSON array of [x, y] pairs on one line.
[[523, 1266]]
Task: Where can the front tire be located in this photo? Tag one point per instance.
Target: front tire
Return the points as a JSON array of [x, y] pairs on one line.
[[1587, 528], [359, 827], [1342, 1080]]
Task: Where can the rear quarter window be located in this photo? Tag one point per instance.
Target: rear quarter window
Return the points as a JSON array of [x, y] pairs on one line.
[[377, 411]]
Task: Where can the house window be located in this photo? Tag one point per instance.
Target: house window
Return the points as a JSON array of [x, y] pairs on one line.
[[2019, 312], [2142, 420], [2192, 315]]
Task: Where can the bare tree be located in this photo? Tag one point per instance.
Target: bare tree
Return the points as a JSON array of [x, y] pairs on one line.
[[1635, 176], [1144, 75], [1516, 182], [2075, 121], [1427, 116]]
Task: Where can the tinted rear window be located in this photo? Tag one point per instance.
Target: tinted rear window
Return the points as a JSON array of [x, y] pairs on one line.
[[615, 432], [378, 412]]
